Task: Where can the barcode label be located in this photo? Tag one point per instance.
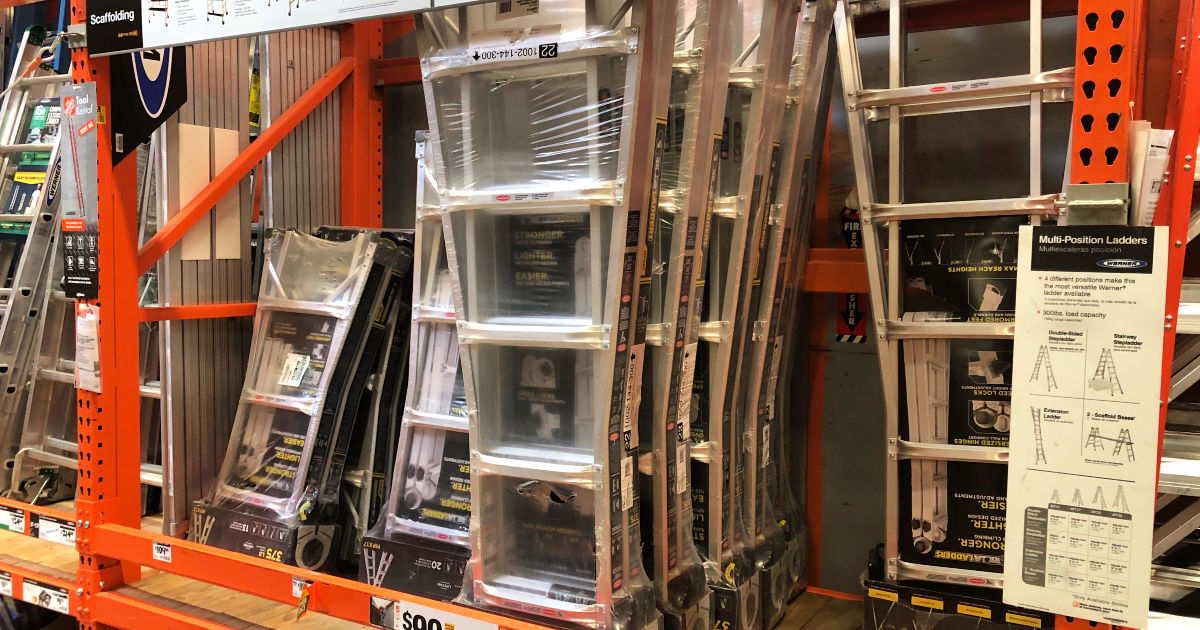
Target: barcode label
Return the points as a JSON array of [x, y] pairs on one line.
[[161, 552], [293, 370], [516, 8], [626, 483]]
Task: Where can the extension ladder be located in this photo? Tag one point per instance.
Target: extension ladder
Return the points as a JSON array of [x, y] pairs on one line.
[[899, 101], [544, 129], [1039, 446]]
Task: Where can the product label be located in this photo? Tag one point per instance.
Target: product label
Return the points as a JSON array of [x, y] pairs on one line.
[[686, 378], [52, 529], [12, 519], [965, 266], [626, 483], [293, 370], [46, 596], [1089, 349], [161, 551], [681, 467], [6, 584], [492, 54], [506, 9], [79, 196]]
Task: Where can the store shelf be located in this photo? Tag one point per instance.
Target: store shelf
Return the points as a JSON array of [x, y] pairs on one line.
[[31, 566]]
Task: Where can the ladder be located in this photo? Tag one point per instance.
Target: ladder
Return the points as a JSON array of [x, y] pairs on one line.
[[883, 213], [1098, 498], [434, 423], [1044, 357], [1038, 445], [677, 238], [1119, 500], [1105, 376], [551, 156], [927, 364], [1078, 498], [1124, 442], [1093, 439]]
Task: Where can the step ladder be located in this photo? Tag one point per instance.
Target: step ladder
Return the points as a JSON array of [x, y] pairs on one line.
[[1078, 498], [434, 424], [1119, 500], [889, 209], [549, 155], [1105, 377], [1044, 357], [677, 238], [1098, 498], [1038, 445], [1093, 439], [1124, 442]]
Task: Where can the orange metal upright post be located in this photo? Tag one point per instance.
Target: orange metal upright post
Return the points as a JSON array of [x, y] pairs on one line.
[[362, 127], [108, 429], [1104, 80]]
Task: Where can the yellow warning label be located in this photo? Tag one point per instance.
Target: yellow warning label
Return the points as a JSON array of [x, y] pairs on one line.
[[1024, 620], [927, 602], [875, 593], [976, 611]]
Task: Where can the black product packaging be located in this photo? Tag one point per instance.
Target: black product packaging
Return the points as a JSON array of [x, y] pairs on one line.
[[974, 502], [437, 479], [965, 266], [889, 606], [980, 392], [238, 531], [549, 265], [545, 396], [422, 567]]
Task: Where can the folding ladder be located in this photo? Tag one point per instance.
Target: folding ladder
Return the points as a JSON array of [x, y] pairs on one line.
[[789, 209], [544, 128], [1043, 358], [321, 310], [927, 372], [896, 102], [1105, 377], [677, 237], [434, 425]]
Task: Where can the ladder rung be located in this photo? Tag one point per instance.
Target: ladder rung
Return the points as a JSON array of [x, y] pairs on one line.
[[999, 101], [44, 79], [951, 452], [960, 93], [436, 420], [714, 332], [728, 207], [151, 389], [929, 572], [57, 376], [948, 330], [657, 334], [21, 148], [1043, 204], [704, 452], [575, 475], [422, 313], [545, 336]]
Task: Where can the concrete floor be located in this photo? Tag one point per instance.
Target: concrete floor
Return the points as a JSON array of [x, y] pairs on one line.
[[820, 612]]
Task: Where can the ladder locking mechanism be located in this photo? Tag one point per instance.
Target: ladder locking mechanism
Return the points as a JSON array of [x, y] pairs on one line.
[[1095, 204]]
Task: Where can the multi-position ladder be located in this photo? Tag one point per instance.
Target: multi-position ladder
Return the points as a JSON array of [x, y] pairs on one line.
[[788, 217], [544, 126], [434, 425], [677, 239], [927, 374], [763, 33], [1040, 455], [1105, 377], [882, 213]]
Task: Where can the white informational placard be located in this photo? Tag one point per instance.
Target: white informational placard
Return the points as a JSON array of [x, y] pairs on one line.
[[128, 25], [1084, 443]]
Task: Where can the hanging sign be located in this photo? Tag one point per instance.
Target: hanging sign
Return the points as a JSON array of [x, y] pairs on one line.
[[80, 231], [115, 26], [147, 88], [1085, 409]]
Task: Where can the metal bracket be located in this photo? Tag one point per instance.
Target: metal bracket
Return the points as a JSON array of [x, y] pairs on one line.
[[76, 36], [1095, 204]]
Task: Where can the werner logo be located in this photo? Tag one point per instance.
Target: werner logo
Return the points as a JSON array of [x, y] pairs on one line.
[[1121, 263], [52, 187], [112, 16], [152, 72]]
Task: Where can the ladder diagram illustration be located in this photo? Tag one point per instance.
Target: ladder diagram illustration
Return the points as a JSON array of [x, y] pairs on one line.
[[1056, 497], [1119, 500], [159, 7], [1038, 445], [218, 9], [1078, 498], [1105, 377], [1123, 442], [1098, 498], [1044, 357]]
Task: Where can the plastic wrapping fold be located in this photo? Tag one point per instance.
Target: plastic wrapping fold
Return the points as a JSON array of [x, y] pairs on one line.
[[531, 107]]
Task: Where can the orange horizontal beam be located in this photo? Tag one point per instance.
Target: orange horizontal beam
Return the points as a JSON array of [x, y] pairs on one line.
[[334, 596], [830, 270], [397, 71], [119, 610], [204, 201], [196, 311]]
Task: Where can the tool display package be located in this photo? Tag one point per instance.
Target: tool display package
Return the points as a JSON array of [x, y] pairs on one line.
[[676, 239], [966, 266], [542, 174], [323, 309], [420, 543]]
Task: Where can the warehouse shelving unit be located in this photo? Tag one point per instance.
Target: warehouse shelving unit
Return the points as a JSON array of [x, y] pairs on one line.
[[124, 568]]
